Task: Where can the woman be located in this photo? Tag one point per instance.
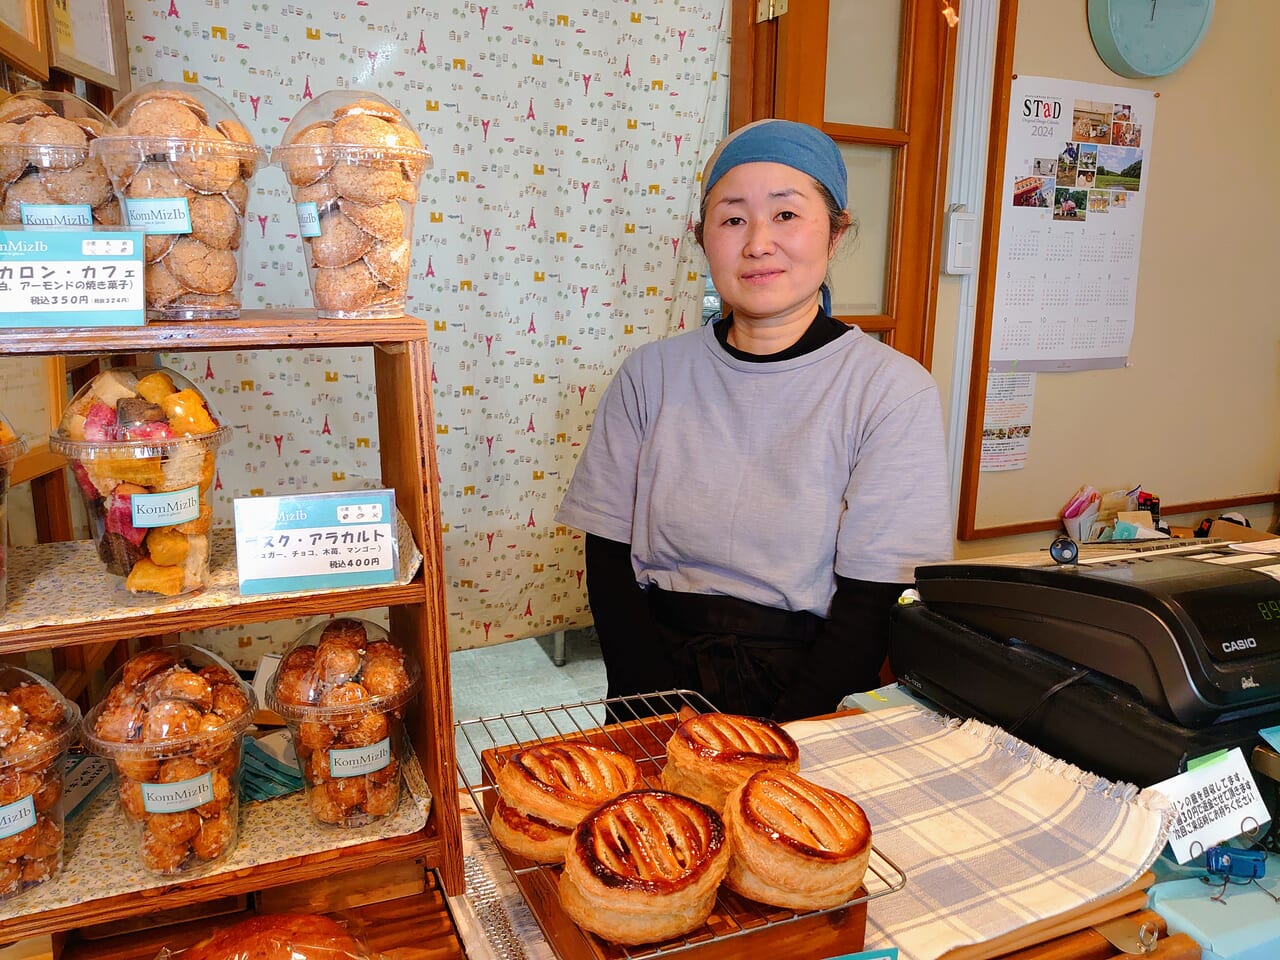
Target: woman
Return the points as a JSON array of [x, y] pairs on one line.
[[757, 492]]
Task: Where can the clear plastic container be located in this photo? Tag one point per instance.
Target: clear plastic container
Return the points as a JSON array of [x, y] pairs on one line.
[[181, 162], [342, 687], [142, 444], [12, 446], [172, 725], [354, 165], [48, 177], [37, 726]]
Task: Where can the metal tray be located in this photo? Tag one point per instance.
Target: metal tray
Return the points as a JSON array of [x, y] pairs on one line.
[[640, 727]]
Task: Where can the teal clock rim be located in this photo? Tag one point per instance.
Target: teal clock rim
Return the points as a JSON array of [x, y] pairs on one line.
[[1104, 42]]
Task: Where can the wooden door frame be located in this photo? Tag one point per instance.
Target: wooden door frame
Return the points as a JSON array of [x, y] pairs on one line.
[[779, 70]]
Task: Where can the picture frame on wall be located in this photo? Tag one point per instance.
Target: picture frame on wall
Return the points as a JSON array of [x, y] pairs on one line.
[[23, 36], [93, 45]]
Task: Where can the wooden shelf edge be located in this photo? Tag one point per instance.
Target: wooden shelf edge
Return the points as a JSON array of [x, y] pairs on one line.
[[310, 867], [153, 622], [258, 329]]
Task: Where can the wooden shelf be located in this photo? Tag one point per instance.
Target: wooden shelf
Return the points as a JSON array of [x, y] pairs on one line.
[[255, 329], [61, 594], [44, 577], [296, 869]]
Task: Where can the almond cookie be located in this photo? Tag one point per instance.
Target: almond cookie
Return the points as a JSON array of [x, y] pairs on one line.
[[56, 132], [370, 107], [365, 183], [205, 166], [407, 139], [27, 190], [13, 160], [86, 183], [321, 193], [165, 117], [200, 268], [308, 166], [235, 131], [389, 263], [92, 127], [385, 221], [340, 242], [177, 96], [238, 196], [155, 181], [108, 213], [161, 286], [17, 109], [364, 131], [156, 246], [215, 222], [345, 288]]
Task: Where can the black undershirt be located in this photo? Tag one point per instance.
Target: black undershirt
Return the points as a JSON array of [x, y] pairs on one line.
[[847, 654]]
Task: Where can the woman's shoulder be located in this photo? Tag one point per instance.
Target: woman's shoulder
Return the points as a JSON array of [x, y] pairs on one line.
[[887, 366], [675, 348]]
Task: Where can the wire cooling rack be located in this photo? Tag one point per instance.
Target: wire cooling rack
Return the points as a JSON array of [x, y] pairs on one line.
[[640, 727]]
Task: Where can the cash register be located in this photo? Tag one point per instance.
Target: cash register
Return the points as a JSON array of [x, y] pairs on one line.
[[1128, 660]]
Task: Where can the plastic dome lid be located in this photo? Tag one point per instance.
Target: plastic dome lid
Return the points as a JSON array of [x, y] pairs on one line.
[[12, 444], [164, 118], [48, 128], [339, 668], [170, 701], [142, 411], [354, 126], [37, 723]]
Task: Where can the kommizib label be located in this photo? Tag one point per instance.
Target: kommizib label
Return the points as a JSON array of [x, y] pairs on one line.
[[360, 760], [308, 218], [176, 797], [165, 215], [165, 509], [56, 214], [16, 817]]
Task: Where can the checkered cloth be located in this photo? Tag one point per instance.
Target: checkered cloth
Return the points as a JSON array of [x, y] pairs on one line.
[[992, 833]]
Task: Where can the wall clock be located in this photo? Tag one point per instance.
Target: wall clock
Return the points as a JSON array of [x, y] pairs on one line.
[[1147, 38]]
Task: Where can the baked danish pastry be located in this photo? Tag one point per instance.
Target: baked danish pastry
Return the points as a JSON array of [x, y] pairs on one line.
[[527, 836], [560, 782], [795, 844], [644, 867], [710, 754]]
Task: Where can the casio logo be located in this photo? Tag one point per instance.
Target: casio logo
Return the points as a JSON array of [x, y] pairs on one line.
[[1248, 643]]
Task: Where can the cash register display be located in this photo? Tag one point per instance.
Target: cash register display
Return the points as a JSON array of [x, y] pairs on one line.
[[1237, 621]]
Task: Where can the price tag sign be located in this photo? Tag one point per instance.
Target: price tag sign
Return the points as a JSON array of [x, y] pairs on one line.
[[316, 541], [69, 277], [1214, 802]]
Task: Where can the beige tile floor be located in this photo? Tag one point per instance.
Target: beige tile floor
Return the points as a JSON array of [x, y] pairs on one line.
[[520, 677]]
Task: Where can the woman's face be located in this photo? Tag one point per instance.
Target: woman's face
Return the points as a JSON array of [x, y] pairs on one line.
[[767, 237]]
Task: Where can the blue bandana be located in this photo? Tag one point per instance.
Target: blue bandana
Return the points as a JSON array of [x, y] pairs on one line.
[[796, 145]]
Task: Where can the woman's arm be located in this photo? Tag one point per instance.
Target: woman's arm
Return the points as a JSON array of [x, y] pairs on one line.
[[847, 655], [635, 659]]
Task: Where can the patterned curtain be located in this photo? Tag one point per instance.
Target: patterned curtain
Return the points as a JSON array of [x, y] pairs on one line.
[[552, 237]]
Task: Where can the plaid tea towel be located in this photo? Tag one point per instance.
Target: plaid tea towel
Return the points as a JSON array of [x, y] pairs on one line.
[[992, 833]]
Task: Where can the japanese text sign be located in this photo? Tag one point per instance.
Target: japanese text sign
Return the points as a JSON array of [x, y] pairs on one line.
[[1213, 802], [71, 278], [316, 541]]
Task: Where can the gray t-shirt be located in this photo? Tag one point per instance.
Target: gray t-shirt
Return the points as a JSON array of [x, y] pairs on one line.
[[764, 480]]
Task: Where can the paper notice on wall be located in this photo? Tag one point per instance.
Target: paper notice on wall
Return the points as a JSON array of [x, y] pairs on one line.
[[1006, 422], [1076, 165]]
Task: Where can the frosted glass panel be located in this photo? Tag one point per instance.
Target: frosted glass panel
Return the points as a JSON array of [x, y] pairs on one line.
[[858, 270], [863, 40]]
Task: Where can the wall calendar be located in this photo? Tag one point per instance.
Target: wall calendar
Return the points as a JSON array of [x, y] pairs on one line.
[[1075, 166]]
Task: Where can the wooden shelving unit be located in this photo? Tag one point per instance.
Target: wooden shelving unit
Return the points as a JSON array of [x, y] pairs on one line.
[[416, 605]]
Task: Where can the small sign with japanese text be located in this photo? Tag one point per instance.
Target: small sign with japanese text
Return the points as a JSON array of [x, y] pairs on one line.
[[1213, 802], [70, 277], [315, 541]]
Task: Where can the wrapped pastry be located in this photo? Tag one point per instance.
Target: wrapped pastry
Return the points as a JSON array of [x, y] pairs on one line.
[[343, 687], [171, 723]]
